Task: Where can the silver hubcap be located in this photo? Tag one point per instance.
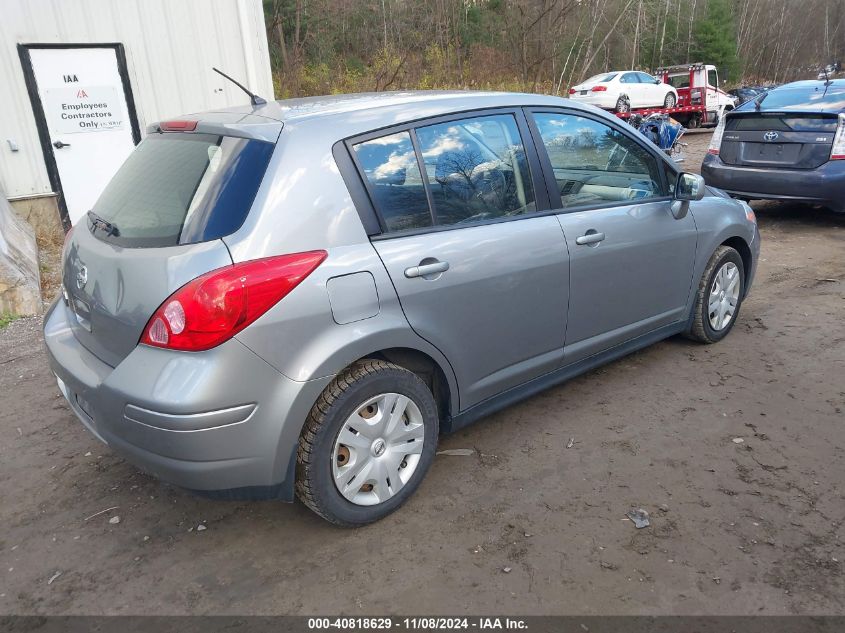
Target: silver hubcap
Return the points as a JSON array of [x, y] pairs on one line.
[[378, 449], [724, 296]]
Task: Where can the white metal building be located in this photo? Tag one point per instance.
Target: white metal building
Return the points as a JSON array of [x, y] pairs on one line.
[[81, 80]]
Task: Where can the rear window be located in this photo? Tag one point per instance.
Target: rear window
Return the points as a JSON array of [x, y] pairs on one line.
[[827, 99], [604, 77], [182, 189]]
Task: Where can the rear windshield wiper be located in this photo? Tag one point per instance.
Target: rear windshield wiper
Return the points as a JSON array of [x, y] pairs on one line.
[[101, 223]]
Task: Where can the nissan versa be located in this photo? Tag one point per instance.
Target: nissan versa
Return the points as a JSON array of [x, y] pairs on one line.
[[786, 144], [296, 298]]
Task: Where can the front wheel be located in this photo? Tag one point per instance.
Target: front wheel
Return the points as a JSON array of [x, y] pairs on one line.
[[367, 443], [719, 296], [670, 100]]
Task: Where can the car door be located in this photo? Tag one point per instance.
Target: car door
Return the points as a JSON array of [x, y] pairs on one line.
[[653, 92], [632, 87], [477, 272], [631, 261]]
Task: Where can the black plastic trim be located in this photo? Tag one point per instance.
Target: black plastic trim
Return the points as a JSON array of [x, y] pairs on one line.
[[355, 186]]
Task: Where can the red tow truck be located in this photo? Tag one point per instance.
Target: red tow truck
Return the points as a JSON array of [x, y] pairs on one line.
[[700, 100]]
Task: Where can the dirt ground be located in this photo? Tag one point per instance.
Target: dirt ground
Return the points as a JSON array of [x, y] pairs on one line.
[[523, 526]]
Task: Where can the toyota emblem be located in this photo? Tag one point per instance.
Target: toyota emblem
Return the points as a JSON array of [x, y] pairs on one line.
[[770, 136]]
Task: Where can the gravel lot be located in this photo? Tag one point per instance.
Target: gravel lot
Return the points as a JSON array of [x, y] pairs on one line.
[[736, 527]]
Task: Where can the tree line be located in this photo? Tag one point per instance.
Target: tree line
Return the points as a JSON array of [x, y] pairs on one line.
[[331, 46]]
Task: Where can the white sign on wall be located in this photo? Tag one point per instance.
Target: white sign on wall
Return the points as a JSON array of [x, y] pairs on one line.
[[84, 109], [84, 100]]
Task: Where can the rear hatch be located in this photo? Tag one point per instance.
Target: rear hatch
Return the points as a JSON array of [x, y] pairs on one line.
[[789, 140], [158, 225]]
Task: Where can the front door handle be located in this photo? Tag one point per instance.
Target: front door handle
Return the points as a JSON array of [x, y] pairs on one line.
[[60, 145], [425, 270], [591, 237]]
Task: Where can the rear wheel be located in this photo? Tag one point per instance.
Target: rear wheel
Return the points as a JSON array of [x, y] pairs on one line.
[[719, 296], [623, 104], [367, 443], [670, 100]]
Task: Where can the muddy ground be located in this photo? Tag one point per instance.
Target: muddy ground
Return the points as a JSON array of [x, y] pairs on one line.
[[741, 528]]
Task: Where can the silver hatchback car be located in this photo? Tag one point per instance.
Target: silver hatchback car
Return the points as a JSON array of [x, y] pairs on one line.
[[297, 298]]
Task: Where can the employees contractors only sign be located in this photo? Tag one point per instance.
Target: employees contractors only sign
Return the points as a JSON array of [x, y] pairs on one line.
[[77, 109]]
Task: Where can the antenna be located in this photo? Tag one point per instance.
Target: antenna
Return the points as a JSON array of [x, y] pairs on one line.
[[253, 98]]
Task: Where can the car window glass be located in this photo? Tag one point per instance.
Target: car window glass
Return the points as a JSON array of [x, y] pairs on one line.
[[629, 78], [712, 78], [396, 186], [182, 189], [679, 81], [476, 169], [595, 164], [646, 78]]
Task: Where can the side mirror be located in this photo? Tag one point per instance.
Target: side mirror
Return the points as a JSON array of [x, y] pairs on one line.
[[688, 188]]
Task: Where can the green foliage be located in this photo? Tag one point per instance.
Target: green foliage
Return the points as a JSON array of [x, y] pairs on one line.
[[6, 318], [715, 38]]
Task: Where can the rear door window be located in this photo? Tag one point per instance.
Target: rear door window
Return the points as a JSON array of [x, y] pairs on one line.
[[182, 189], [390, 166], [476, 169]]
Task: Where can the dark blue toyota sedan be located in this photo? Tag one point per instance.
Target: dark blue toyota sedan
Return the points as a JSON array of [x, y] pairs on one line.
[[786, 144]]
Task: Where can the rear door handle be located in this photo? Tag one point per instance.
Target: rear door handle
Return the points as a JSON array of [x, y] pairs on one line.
[[590, 238], [425, 270]]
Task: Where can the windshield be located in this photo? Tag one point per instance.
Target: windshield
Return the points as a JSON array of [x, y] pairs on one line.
[[801, 98], [180, 189]]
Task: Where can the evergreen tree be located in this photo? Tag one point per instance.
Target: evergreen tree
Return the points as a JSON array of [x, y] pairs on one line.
[[715, 39]]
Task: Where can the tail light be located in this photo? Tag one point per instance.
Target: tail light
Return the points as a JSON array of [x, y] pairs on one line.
[[214, 307], [716, 139], [177, 126], [837, 152], [599, 88], [572, 91]]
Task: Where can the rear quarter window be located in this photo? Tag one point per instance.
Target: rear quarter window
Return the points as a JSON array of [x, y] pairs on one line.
[[182, 189]]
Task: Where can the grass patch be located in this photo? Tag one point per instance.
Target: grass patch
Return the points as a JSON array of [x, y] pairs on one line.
[[6, 318]]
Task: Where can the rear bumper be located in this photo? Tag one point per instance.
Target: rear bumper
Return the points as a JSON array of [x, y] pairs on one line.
[[604, 100], [221, 421], [823, 185]]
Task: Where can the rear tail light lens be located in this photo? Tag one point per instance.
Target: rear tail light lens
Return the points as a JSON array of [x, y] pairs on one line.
[[716, 139], [213, 308], [837, 152], [572, 91], [599, 88]]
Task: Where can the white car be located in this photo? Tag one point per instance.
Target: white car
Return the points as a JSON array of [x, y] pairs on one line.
[[623, 90]]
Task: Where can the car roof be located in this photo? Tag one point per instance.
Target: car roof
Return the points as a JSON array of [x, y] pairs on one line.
[[396, 106], [811, 83]]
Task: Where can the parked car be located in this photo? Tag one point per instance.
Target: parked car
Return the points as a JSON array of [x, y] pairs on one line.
[[298, 297], [787, 144], [829, 71], [623, 90], [745, 93]]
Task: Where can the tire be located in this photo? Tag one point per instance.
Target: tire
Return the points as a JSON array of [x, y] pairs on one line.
[[343, 405], [623, 104], [703, 329], [670, 100]]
